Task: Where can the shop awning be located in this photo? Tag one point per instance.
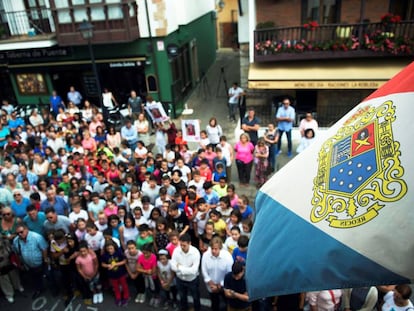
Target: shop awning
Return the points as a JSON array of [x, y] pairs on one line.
[[322, 74]]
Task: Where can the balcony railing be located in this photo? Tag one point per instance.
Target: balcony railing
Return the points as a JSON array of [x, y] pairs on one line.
[[334, 41], [114, 22], [28, 23]]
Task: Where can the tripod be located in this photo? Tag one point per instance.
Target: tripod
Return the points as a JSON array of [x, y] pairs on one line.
[[222, 78], [204, 87]]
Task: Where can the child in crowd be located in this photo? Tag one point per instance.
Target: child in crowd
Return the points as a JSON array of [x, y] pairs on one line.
[[114, 224], [107, 234], [206, 237], [144, 237], [198, 182], [247, 226], [147, 265], [231, 242], [240, 252], [204, 141], [177, 219], [110, 209], [173, 237], [205, 171], [139, 218], [68, 271], [114, 261], [87, 266], [77, 212], [219, 224], [221, 187], [210, 195], [94, 238], [306, 140], [219, 172], [161, 234], [168, 290], [224, 207], [234, 220], [201, 217], [80, 229], [131, 255], [231, 192], [155, 214], [57, 247]]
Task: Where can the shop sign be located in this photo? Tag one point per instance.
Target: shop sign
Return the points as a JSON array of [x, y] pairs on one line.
[[124, 64], [35, 53]]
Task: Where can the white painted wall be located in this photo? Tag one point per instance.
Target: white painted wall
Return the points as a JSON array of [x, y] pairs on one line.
[[178, 12], [243, 25]]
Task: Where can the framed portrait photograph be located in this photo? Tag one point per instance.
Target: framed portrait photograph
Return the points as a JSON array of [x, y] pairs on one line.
[[156, 112], [191, 130], [31, 83]]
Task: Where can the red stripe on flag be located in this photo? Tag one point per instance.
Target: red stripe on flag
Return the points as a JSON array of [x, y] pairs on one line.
[[402, 82]]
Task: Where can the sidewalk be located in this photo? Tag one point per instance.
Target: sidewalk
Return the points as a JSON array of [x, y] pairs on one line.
[[210, 99]]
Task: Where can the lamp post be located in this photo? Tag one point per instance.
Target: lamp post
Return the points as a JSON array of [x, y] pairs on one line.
[[86, 30]]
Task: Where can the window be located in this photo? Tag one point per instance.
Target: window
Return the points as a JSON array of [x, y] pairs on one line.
[[322, 11], [403, 8]]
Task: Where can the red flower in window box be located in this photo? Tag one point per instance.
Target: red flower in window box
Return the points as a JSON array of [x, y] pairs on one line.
[[312, 25]]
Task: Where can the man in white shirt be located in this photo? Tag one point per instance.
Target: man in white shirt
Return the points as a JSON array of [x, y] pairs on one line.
[[185, 262], [215, 264], [235, 93]]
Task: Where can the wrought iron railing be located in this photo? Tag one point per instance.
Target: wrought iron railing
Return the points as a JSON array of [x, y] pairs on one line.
[[283, 42]]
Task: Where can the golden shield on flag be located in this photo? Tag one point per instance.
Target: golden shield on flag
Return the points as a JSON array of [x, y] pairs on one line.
[[359, 169]]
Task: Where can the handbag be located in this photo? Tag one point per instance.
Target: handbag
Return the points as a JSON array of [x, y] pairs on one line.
[[15, 260]]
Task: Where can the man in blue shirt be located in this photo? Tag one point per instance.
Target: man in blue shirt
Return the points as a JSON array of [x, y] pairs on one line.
[[285, 117], [19, 204], [15, 122], [24, 173], [74, 96], [55, 103], [32, 248], [130, 134], [34, 220], [57, 202]]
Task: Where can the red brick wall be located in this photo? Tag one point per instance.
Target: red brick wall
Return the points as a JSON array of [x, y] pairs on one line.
[[288, 12], [281, 12]]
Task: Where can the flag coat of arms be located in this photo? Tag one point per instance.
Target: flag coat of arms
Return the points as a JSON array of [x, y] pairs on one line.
[[341, 214]]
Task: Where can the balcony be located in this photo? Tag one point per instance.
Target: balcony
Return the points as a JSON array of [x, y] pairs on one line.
[[334, 41], [115, 22], [33, 25]]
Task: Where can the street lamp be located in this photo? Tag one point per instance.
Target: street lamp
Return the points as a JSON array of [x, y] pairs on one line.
[[86, 30]]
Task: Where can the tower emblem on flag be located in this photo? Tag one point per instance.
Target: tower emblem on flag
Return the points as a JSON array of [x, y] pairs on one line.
[[359, 170]]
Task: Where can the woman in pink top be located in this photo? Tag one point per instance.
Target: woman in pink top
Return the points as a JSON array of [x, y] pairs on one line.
[[88, 143], [244, 158]]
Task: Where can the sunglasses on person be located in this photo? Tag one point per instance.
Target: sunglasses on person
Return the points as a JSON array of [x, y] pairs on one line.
[[6, 214], [20, 232]]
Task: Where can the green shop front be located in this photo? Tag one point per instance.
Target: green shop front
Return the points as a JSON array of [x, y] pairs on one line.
[[167, 68]]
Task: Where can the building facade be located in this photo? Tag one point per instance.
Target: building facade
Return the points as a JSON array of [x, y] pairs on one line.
[[327, 55], [156, 47]]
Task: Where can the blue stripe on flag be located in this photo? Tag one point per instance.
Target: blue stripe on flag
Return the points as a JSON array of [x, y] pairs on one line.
[[289, 255]]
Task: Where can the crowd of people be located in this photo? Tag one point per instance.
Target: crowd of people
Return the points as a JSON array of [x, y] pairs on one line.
[[132, 213]]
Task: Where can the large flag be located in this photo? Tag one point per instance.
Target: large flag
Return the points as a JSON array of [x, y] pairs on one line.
[[341, 213]]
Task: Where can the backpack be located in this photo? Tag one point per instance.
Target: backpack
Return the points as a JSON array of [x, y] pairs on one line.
[[358, 297]]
